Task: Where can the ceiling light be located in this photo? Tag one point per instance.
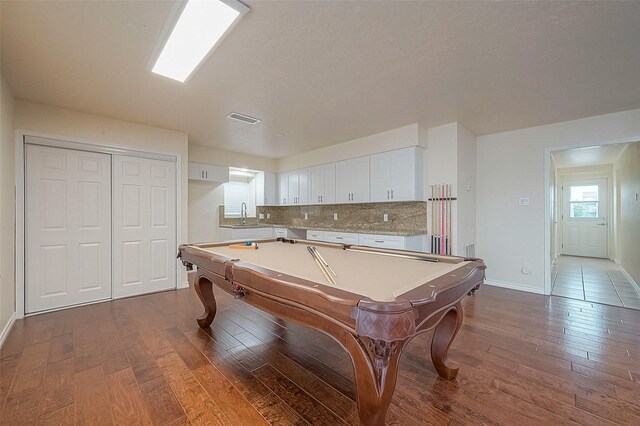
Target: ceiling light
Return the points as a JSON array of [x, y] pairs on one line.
[[244, 118], [191, 33]]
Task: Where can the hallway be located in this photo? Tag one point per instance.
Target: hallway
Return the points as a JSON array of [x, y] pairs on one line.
[[593, 280]]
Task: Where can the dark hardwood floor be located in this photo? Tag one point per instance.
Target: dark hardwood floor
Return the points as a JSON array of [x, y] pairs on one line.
[[525, 359]]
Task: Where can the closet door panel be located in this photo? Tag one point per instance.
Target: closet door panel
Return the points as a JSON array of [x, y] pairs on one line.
[[144, 222], [67, 227]]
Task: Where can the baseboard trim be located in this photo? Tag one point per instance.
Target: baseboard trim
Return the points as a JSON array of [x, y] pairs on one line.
[[631, 280], [512, 286], [7, 329]]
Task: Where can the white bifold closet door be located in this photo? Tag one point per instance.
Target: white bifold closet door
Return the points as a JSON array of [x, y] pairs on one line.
[[144, 226], [68, 227]]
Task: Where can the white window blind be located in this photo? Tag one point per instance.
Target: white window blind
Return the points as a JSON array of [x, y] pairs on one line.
[[235, 193]]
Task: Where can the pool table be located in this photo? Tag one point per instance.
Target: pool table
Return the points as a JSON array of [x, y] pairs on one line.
[[380, 300]]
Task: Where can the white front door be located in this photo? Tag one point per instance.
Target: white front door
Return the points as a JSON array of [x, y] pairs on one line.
[[68, 227], [144, 226], [585, 221]]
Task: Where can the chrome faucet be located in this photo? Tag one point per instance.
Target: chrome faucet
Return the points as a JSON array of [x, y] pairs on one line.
[[243, 213]]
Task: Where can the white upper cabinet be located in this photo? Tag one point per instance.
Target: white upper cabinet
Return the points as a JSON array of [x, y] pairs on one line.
[[352, 180], [283, 189], [397, 175], [293, 187], [303, 186], [322, 181], [208, 172], [266, 189]]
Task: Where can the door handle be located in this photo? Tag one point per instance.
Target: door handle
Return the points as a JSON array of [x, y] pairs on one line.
[[602, 224]]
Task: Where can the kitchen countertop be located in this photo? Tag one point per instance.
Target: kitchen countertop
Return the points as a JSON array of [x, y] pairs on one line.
[[247, 226], [354, 231]]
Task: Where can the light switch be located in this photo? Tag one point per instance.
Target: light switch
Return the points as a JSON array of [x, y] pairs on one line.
[[385, 217], [268, 215], [306, 216], [523, 201], [335, 216], [261, 216]]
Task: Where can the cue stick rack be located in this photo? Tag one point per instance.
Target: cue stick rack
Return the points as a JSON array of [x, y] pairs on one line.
[[441, 203]]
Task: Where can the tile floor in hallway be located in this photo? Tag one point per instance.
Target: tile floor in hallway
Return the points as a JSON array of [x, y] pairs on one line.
[[593, 280]]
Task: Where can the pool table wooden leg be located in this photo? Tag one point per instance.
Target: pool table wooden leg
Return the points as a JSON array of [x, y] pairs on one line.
[[375, 364], [443, 336], [204, 290]]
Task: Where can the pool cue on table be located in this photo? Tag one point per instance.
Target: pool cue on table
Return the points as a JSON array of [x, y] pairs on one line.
[[321, 266], [315, 250]]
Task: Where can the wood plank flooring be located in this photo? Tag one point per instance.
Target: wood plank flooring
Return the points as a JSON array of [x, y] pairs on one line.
[[525, 360]]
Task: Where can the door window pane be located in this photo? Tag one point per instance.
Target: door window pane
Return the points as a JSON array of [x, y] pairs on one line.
[[583, 203], [584, 209], [584, 193]]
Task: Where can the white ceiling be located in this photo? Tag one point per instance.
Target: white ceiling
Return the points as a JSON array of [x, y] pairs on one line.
[[588, 156], [319, 73]]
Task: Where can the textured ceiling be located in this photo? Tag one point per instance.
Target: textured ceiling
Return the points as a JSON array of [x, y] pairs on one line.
[[319, 73]]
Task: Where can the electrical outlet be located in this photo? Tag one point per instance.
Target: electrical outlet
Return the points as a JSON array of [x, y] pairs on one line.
[[268, 215], [261, 216], [523, 201], [306, 216], [335, 216], [385, 217]]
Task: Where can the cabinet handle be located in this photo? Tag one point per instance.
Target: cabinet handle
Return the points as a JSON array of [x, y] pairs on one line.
[[387, 194], [321, 198], [392, 194], [202, 174], [339, 238], [206, 174], [379, 241]]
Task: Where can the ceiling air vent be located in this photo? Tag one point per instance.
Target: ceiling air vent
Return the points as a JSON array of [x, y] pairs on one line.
[[244, 118]]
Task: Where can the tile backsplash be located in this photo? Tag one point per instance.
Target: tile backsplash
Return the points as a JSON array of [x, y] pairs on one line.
[[403, 217]]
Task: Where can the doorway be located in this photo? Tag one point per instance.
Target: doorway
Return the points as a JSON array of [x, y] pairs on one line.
[[584, 214], [594, 224]]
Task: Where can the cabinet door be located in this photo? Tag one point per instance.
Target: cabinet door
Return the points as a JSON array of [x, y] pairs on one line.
[[196, 171], [303, 186], [270, 189], [294, 187], [379, 177], [283, 189], [344, 182], [360, 179], [403, 179], [329, 176], [316, 180]]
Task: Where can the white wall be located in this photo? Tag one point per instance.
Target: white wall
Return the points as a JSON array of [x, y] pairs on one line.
[[511, 165], [628, 173], [401, 137], [7, 207], [93, 129], [466, 192], [219, 157]]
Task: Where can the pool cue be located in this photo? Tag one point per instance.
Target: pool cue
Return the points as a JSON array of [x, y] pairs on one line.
[[443, 224], [437, 217], [315, 250], [321, 266], [450, 215], [448, 218]]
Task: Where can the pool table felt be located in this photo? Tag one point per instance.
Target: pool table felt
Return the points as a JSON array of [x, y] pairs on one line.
[[376, 276]]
